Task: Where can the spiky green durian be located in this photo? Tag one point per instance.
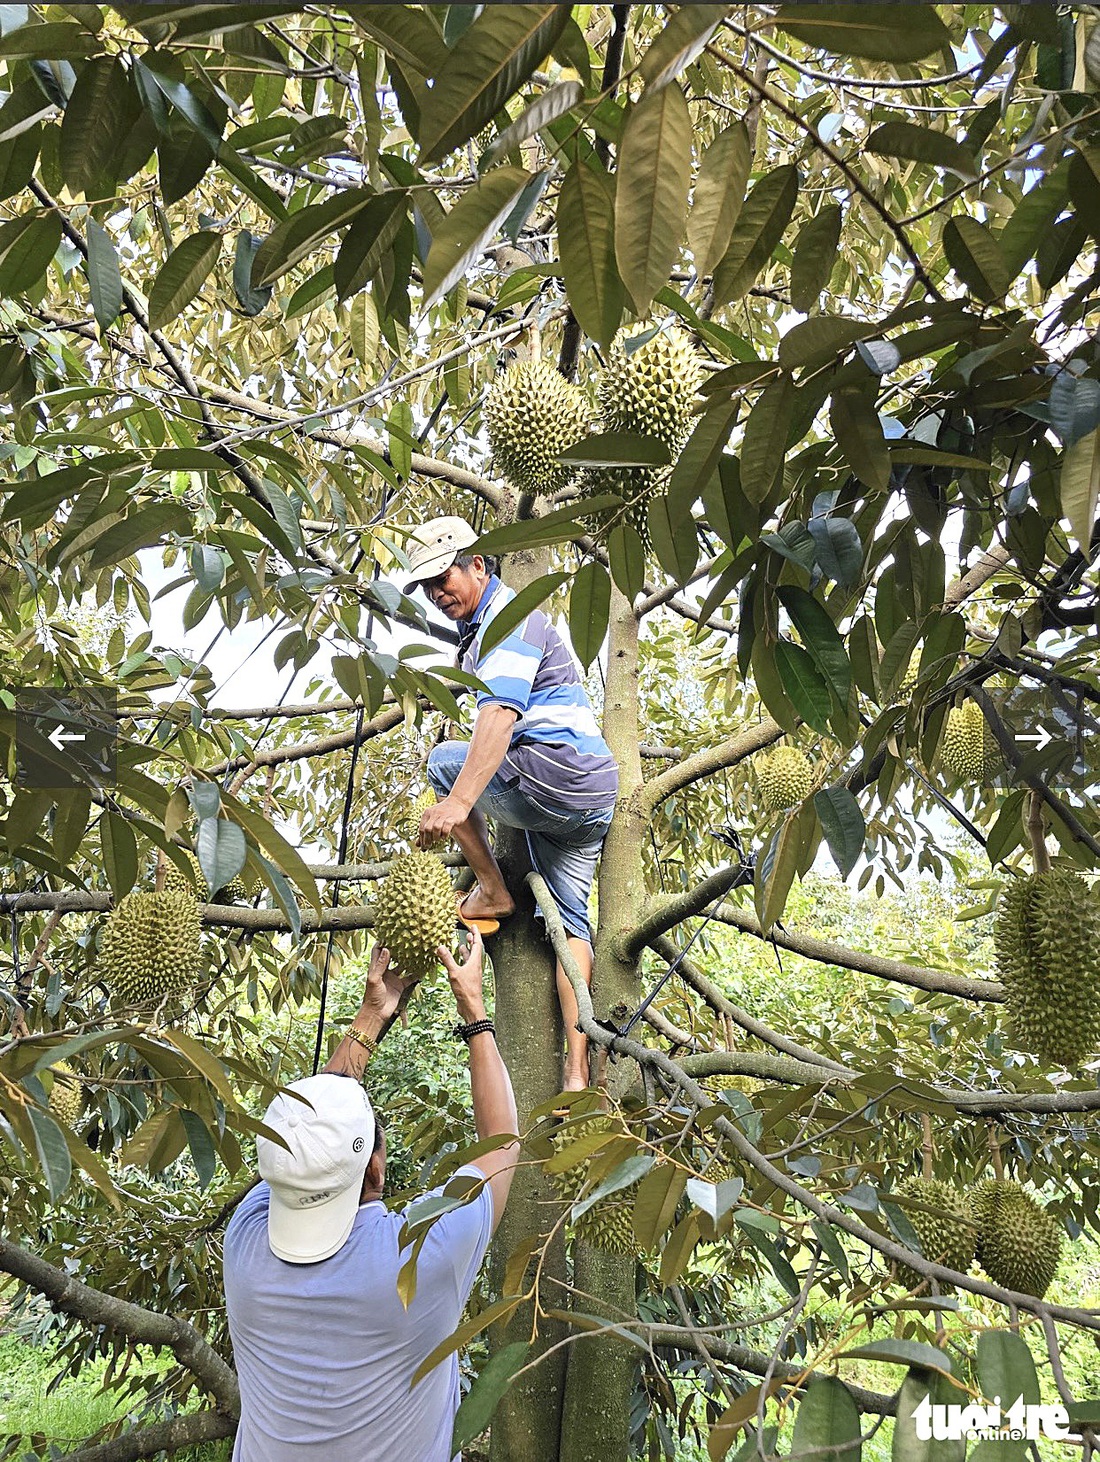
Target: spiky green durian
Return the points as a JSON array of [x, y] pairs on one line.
[[532, 413], [409, 825], [150, 947], [969, 750], [1047, 943], [948, 1236], [648, 391], [415, 912], [608, 1224], [1019, 1243], [176, 881], [66, 1100], [786, 777]]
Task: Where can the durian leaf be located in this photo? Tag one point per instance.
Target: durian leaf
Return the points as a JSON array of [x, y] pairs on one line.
[[765, 441], [901, 1353], [556, 101], [202, 1148], [1007, 833], [723, 1433], [975, 255], [589, 611], [251, 300], [1080, 486], [476, 1409], [485, 67], [264, 835], [558, 526], [204, 1061], [157, 1142], [698, 461], [366, 243], [1005, 1367], [780, 1266], [815, 255], [616, 449], [53, 1151], [622, 1176], [828, 1418], [819, 340], [498, 1310], [104, 279], [651, 198], [804, 684], [26, 247], [676, 543], [843, 825], [715, 1199], [586, 241], [679, 1248], [120, 859], [914, 143], [719, 195], [627, 556], [681, 40], [70, 821], [221, 848], [181, 276], [775, 872], [303, 231], [404, 33], [363, 328], [517, 610], [655, 1205], [471, 224], [765, 214], [870, 31], [859, 436], [1074, 406], [821, 638]]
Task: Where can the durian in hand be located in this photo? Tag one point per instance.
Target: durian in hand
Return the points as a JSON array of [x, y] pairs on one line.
[[608, 1224], [1019, 1243], [786, 778], [947, 1236], [150, 948], [531, 414], [409, 825], [66, 1100], [414, 912], [969, 750], [1047, 943]]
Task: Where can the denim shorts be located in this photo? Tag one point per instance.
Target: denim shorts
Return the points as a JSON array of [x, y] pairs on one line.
[[564, 844]]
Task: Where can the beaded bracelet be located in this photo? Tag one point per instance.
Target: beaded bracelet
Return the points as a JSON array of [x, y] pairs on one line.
[[475, 1028]]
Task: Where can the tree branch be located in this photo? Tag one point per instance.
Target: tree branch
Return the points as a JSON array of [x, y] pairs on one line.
[[760, 1066], [301, 750], [662, 914], [713, 759], [92, 1307], [189, 1430]]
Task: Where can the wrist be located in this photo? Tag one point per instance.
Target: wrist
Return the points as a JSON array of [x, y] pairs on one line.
[[369, 1022], [467, 1014]]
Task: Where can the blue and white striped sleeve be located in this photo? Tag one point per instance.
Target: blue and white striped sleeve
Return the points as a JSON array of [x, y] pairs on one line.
[[509, 670]]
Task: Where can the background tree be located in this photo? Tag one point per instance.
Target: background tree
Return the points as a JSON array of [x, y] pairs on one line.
[[259, 267]]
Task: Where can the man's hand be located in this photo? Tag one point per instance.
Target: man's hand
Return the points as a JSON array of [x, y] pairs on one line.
[[466, 979], [439, 819], [386, 992]]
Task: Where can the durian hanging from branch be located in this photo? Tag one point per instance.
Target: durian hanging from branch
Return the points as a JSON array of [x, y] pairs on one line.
[[532, 414]]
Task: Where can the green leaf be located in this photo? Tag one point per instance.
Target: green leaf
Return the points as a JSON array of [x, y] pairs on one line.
[[517, 609], [181, 276], [616, 449], [471, 224], [921, 144], [404, 33], [627, 556], [1080, 486], [766, 212], [870, 31], [203, 1060], [98, 115], [656, 1202], [901, 1353], [820, 636], [365, 244], [363, 331], [624, 1175], [827, 1421], [556, 101], [679, 43], [104, 279], [221, 849], [149, 524], [975, 255], [775, 872], [53, 1150], [765, 441], [300, 234], [651, 198], [476, 1409], [674, 537], [698, 461], [920, 1386], [262, 833], [804, 684], [719, 195], [839, 549], [488, 64], [27, 245], [859, 436], [586, 242], [817, 341], [1004, 1368], [120, 859], [400, 425], [814, 256], [842, 823], [49, 42], [558, 526], [251, 300], [589, 611]]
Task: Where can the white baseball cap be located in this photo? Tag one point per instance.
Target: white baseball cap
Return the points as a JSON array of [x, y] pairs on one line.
[[434, 546], [315, 1186]]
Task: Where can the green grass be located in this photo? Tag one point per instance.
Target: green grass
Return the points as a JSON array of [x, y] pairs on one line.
[[73, 1412]]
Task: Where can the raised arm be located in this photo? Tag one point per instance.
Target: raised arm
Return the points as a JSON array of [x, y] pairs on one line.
[[490, 1084]]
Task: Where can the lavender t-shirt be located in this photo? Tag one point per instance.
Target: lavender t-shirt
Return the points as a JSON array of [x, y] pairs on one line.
[[325, 1352]]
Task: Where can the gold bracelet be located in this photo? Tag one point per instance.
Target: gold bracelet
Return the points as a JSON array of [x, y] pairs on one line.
[[360, 1039]]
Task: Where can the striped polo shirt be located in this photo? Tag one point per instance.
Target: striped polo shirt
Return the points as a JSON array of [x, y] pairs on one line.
[[556, 750]]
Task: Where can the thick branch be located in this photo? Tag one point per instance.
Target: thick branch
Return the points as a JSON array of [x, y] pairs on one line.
[[758, 1065], [146, 1327], [938, 982], [662, 914], [713, 759], [190, 1430], [301, 750]]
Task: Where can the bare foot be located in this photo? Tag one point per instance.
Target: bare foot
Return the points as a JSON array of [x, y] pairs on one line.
[[574, 1081], [476, 905]]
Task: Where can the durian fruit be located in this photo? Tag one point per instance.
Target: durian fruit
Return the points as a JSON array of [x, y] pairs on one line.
[[415, 911], [949, 1236], [532, 413], [1019, 1243], [1047, 943], [409, 825], [786, 777], [176, 881], [648, 391], [969, 750], [66, 1100], [608, 1224], [150, 948]]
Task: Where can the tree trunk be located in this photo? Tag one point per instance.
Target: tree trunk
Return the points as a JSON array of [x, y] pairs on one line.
[[596, 1421]]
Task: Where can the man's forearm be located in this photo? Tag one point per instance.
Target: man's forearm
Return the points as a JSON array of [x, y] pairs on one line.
[[491, 739], [491, 1089], [350, 1057]]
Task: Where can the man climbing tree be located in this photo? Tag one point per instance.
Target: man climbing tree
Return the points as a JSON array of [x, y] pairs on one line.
[[536, 759]]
